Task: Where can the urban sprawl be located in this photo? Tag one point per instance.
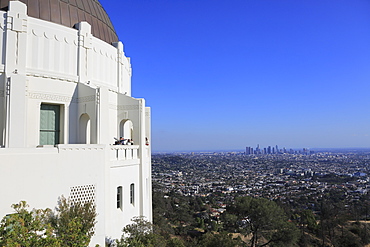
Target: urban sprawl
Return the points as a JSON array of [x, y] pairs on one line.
[[271, 173]]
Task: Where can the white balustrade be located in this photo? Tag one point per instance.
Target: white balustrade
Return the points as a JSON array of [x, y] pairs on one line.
[[124, 152]]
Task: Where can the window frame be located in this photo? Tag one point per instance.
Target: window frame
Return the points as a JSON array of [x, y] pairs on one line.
[[57, 125], [119, 197], [132, 194]]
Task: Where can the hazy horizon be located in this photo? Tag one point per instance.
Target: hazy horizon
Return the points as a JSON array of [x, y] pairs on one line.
[[243, 150]]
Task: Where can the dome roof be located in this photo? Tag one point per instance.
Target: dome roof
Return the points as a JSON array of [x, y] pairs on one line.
[[70, 12]]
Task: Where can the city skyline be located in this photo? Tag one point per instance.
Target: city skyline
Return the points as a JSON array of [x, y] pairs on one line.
[[276, 150], [220, 74]]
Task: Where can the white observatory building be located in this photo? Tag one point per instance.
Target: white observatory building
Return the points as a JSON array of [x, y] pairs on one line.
[[65, 94]]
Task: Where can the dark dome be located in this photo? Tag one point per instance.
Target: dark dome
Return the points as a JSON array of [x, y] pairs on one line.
[[70, 12]]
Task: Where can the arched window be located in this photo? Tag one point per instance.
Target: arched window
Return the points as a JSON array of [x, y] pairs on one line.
[[84, 129], [126, 129]]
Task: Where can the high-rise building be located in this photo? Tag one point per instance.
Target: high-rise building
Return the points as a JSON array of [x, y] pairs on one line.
[[65, 94]]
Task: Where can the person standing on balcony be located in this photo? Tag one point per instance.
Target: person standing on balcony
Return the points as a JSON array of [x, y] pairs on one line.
[[122, 140]]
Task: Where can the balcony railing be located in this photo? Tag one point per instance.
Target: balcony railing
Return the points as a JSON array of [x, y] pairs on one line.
[[129, 153], [124, 152]]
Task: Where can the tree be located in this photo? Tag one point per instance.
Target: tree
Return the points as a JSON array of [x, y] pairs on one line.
[[308, 220], [74, 222], [264, 218], [218, 240], [142, 233], [71, 225], [348, 239], [229, 222], [27, 228], [175, 242], [332, 218]]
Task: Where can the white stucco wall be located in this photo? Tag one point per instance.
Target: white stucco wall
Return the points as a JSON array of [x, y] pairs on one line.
[[46, 63], [39, 176]]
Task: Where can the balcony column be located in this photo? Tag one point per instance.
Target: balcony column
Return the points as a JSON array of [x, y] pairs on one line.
[[15, 71], [84, 47], [103, 120]]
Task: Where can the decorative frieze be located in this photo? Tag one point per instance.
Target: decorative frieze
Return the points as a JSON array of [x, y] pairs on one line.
[[127, 107], [49, 97], [85, 99], [124, 107], [80, 148], [53, 36], [51, 77]]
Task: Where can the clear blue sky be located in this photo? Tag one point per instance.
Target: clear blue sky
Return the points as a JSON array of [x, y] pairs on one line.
[[225, 74]]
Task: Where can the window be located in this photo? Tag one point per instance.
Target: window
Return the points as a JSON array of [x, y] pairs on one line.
[[84, 129], [126, 129], [119, 197], [49, 124], [132, 193]]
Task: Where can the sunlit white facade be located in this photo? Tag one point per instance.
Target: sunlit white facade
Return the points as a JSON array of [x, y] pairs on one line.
[[64, 96]]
